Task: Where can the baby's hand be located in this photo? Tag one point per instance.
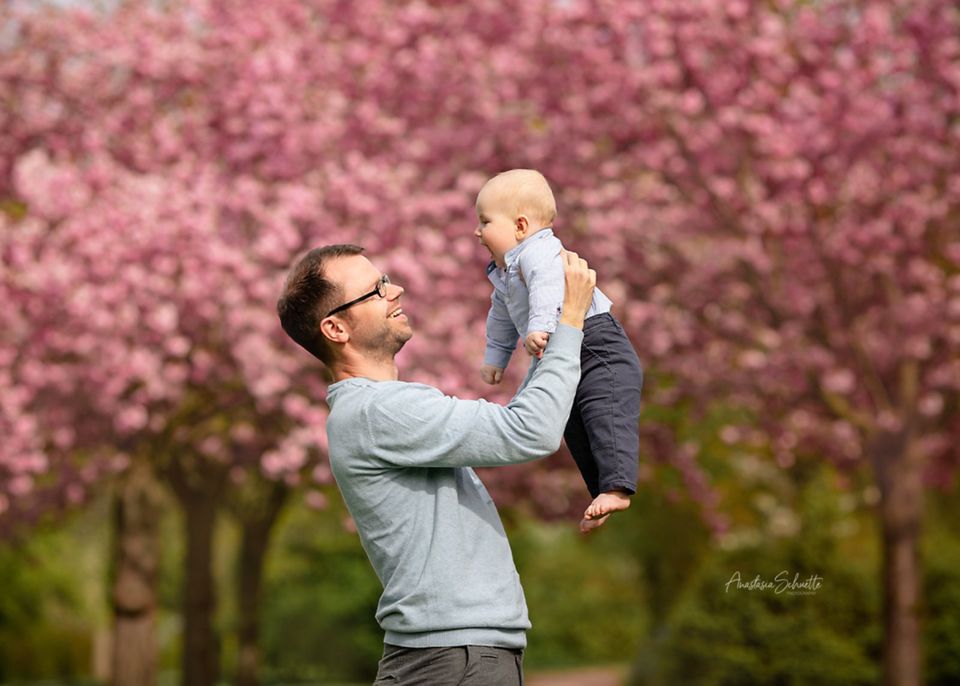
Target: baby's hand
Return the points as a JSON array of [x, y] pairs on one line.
[[536, 342], [491, 375]]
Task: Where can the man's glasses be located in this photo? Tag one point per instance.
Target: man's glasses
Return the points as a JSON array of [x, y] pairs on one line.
[[380, 290]]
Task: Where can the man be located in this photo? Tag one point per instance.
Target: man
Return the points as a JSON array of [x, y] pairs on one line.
[[452, 608]]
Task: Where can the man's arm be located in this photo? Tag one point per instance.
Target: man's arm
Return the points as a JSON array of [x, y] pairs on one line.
[[419, 426]]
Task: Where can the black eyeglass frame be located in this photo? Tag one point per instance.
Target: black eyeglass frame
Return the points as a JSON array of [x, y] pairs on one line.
[[380, 290]]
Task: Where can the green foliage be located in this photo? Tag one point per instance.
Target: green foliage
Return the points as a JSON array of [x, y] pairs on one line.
[[585, 599], [721, 634], [319, 602], [941, 599], [666, 539], [651, 578], [45, 631]]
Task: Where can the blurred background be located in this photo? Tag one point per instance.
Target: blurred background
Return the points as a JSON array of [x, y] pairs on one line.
[[769, 192]]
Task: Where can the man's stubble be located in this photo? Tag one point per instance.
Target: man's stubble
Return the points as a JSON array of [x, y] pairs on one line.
[[383, 343]]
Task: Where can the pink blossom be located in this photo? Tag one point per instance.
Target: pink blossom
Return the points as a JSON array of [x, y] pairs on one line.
[[315, 500], [757, 228]]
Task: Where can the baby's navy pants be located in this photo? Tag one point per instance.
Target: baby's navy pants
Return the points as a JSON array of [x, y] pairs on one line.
[[603, 430]]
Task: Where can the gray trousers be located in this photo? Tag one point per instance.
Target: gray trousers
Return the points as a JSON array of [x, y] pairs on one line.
[[456, 666]]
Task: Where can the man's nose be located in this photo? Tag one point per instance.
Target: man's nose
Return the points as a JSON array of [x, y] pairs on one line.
[[394, 291]]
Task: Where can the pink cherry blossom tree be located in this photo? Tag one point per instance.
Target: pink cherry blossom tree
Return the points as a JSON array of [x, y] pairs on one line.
[[767, 190], [141, 329], [141, 346], [785, 197]]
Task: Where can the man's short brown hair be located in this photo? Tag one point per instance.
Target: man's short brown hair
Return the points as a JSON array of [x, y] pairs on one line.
[[307, 297]]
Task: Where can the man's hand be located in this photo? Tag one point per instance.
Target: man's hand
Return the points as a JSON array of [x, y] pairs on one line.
[[491, 375], [535, 342], [579, 282]]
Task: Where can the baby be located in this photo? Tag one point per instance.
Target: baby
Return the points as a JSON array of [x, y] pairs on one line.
[[516, 210]]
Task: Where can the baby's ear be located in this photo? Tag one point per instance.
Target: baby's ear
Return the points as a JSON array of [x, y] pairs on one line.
[[522, 224]]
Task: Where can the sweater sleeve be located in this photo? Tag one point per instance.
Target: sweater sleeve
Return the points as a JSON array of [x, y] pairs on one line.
[[417, 426], [542, 269], [501, 333]]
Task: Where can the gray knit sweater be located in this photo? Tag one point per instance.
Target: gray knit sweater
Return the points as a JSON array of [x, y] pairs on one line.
[[402, 454]]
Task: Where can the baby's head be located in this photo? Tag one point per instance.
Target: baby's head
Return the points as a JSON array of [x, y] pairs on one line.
[[511, 207]]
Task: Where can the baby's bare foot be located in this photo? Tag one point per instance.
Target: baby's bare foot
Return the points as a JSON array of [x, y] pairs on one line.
[[588, 525], [601, 507]]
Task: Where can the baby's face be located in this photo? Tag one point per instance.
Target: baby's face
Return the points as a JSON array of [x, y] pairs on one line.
[[497, 228]]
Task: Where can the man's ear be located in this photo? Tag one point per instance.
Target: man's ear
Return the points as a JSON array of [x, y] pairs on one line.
[[522, 226], [333, 329]]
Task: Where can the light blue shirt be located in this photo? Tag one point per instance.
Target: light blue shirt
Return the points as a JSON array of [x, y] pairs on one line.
[[403, 457], [528, 295]]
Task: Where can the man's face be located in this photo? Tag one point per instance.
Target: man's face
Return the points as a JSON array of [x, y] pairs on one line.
[[496, 228], [377, 325]]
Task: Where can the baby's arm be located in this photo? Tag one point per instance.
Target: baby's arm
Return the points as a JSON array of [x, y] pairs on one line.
[[501, 340], [542, 270]]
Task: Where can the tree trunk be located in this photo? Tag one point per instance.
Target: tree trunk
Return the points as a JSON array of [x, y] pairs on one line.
[[257, 524], [200, 649], [899, 474], [198, 485], [134, 595]]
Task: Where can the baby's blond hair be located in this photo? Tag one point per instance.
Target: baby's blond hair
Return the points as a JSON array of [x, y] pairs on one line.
[[524, 191]]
